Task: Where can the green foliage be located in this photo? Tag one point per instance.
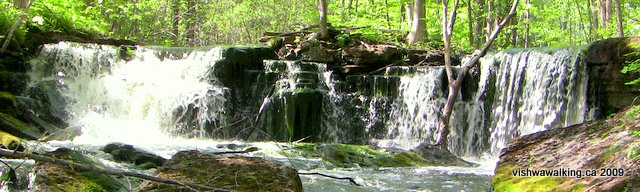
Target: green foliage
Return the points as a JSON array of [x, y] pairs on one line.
[[632, 65]]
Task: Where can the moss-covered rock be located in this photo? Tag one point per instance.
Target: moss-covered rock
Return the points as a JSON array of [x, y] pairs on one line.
[[8, 103], [54, 177], [231, 173], [606, 147], [8, 141], [345, 155], [17, 127]]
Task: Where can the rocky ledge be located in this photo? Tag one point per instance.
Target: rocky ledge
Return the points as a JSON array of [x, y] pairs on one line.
[[234, 173], [601, 155]]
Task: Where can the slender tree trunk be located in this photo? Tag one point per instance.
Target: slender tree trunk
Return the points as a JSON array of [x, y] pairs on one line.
[[593, 15], [470, 23], [480, 24], [386, 8], [25, 5], [456, 83], [322, 7], [619, 15], [527, 26], [175, 21], [418, 26], [190, 20]]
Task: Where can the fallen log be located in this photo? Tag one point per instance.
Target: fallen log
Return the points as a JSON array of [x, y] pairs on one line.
[[81, 167]]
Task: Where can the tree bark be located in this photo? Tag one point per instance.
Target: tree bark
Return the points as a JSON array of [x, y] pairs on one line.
[[418, 25], [455, 83], [175, 21], [470, 23], [82, 167], [408, 14], [527, 26], [619, 15], [322, 7]]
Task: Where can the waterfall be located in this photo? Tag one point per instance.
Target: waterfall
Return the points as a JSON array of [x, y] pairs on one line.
[[115, 94], [530, 91], [513, 93], [154, 93]]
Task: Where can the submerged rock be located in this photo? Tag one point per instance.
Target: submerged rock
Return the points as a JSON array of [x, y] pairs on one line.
[[54, 177], [127, 153], [595, 156], [231, 173]]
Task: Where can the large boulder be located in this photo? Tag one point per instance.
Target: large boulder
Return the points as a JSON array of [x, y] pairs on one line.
[[55, 177], [595, 156], [231, 173]]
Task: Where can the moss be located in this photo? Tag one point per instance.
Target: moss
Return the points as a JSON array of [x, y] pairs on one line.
[[345, 155], [53, 177], [9, 141], [8, 103], [18, 128], [504, 181]]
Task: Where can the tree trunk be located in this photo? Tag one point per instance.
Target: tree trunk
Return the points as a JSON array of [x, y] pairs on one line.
[[479, 24], [619, 15], [408, 14], [190, 18], [386, 9], [25, 5], [527, 26], [322, 7], [175, 9], [455, 83], [593, 15], [418, 26], [470, 23]]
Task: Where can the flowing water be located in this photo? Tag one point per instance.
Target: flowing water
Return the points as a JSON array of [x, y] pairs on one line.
[[166, 101]]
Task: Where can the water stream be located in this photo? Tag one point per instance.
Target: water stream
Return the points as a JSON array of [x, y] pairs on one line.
[[166, 101]]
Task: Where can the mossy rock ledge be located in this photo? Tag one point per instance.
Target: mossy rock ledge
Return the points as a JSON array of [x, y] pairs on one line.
[[609, 149], [235, 173], [55, 177]]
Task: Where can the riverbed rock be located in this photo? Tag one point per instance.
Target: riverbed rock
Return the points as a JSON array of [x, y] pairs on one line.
[[234, 173], [54, 177], [608, 147], [127, 153]]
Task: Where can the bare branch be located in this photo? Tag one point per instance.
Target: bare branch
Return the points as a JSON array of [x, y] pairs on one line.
[[331, 176]]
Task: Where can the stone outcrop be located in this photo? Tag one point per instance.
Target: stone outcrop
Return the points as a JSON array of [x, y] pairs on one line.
[[55, 177], [609, 148], [608, 92], [231, 173]]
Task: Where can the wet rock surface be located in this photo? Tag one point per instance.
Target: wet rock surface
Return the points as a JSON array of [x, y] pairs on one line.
[[234, 173], [609, 147], [127, 153], [54, 177]]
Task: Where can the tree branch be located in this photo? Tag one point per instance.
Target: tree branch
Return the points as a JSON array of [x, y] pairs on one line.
[[81, 167], [331, 176], [454, 86]]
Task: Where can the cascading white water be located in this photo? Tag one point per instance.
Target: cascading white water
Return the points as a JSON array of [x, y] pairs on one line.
[[139, 101], [520, 92], [414, 115], [533, 91]]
